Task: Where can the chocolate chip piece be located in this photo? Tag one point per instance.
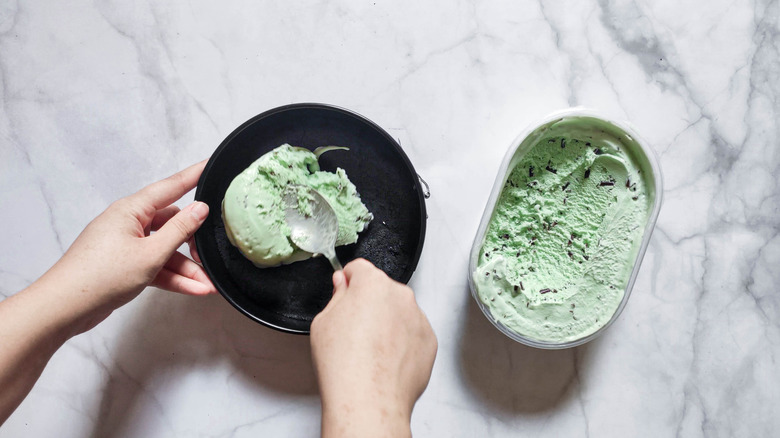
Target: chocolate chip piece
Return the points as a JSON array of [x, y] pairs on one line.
[[563, 143], [544, 291], [550, 169], [531, 171], [597, 151], [606, 183], [565, 186], [587, 173]]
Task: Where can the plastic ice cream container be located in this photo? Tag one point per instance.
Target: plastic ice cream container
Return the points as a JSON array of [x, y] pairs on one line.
[[565, 229]]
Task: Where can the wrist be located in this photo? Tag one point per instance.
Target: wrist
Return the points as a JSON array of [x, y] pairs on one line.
[[68, 305], [359, 415]]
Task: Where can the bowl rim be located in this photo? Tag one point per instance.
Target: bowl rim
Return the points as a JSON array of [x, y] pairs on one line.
[[502, 174], [415, 259]]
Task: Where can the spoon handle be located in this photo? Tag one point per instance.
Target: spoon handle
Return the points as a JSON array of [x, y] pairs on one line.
[[334, 261]]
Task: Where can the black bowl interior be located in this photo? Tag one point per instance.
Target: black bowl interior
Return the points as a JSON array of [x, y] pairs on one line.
[[288, 297]]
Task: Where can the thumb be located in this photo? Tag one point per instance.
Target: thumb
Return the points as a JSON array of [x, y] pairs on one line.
[[180, 227], [339, 282]]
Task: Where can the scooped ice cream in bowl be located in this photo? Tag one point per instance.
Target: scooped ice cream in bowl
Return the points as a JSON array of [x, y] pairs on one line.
[[253, 207]]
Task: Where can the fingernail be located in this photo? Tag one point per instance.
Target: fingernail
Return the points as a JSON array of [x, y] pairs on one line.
[[199, 210]]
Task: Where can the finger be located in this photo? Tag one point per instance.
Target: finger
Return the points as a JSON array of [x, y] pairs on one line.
[[193, 250], [163, 193], [361, 271], [339, 282], [355, 267], [163, 215], [174, 282], [179, 229], [180, 264]]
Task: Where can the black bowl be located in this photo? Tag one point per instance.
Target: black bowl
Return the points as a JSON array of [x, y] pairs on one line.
[[288, 297]]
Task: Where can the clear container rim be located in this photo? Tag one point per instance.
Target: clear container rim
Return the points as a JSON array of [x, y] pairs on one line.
[[498, 185]]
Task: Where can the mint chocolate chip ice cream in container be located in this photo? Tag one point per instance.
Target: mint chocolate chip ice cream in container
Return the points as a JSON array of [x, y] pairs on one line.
[[566, 226]]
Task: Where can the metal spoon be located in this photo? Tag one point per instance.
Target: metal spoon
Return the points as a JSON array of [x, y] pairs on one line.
[[315, 233]]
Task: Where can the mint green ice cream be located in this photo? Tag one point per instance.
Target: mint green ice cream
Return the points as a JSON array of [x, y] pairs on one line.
[[253, 210], [565, 231]]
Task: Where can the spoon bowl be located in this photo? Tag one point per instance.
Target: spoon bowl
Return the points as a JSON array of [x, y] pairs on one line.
[[312, 221]]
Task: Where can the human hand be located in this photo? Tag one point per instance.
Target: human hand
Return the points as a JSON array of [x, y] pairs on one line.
[[373, 350], [117, 256], [109, 264]]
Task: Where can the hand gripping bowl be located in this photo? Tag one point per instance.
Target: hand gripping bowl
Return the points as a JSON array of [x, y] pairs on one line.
[[288, 297], [522, 312]]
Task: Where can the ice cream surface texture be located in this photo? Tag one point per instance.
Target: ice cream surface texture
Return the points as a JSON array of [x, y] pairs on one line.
[[253, 209], [565, 231]]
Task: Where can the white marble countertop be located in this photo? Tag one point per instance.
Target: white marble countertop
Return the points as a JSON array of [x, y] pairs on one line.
[[101, 97]]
